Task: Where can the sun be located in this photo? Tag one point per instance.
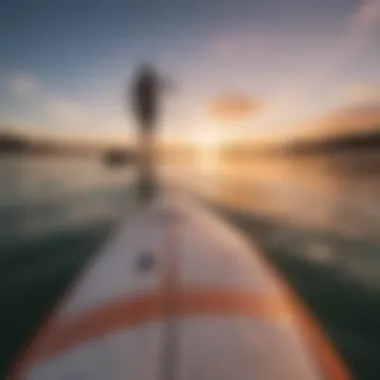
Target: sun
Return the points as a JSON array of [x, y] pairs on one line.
[[208, 140], [208, 145]]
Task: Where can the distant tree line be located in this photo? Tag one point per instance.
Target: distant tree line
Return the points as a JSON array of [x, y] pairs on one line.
[[9, 143], [358, 142], [18, 144]]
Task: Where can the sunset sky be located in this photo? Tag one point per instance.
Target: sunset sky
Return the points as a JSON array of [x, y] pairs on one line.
[[64, 65]]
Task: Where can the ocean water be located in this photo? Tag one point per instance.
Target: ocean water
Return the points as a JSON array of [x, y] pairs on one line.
[[320, 230]]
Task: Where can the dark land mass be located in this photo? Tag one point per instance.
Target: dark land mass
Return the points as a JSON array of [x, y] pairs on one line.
[[355, 154], [358, 142], [18, 144], [353, 142]]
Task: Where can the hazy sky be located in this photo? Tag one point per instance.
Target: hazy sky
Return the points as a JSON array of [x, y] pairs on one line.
[[64, 65]]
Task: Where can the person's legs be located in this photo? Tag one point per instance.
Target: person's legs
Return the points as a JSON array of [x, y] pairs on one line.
[[146, 163]]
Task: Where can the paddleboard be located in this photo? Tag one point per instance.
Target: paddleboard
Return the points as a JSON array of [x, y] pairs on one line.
[[177, 294]]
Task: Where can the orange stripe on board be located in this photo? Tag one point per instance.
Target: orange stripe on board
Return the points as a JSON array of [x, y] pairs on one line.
[[322, 349], [128, 313], [320, 345]]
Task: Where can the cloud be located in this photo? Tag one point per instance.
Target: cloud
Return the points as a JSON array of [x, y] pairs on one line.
[[235, 107], [238, 45], [359, 31], [343, 121], [23, 84], [63, 112], [354, 118], [360, 93], [57, 110], [367, 15], [343, 48], [361, 27]]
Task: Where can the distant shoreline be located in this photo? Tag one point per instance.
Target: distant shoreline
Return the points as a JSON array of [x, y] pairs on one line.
[[11, 144], [356, 153], [353, 142]]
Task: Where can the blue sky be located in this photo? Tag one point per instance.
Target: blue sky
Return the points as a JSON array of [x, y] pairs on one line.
[[65, 65]]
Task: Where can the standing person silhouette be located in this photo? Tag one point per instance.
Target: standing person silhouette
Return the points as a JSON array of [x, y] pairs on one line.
[[146, 92]]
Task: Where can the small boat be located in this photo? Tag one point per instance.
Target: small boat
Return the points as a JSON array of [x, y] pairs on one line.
[[177, 294]]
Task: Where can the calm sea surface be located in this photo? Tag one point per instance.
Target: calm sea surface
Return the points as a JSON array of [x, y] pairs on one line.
[[320, 228]]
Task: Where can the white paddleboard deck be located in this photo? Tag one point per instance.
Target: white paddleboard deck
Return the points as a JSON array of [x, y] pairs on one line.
[[175, 295]]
